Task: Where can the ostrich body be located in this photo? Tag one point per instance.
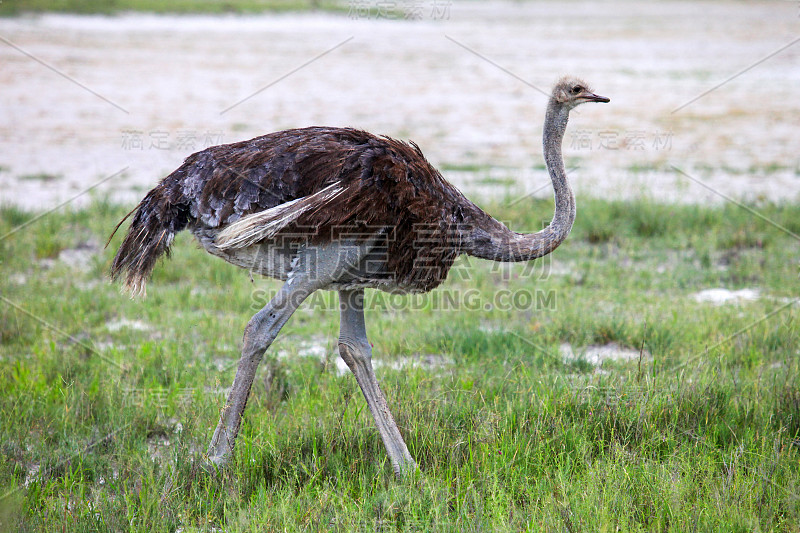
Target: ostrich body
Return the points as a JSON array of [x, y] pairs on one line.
[[340, 209]]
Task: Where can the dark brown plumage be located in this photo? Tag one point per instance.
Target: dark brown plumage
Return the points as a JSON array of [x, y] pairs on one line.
[[387, 184], [333, 208]]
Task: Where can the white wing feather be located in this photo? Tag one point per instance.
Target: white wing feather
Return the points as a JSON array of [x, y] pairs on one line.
[[266, 224]]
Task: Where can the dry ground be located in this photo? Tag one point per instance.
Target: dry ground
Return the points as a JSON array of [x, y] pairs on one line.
[[85, 98]]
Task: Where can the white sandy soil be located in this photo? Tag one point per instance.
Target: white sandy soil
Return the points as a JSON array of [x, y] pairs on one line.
[[122, 100]]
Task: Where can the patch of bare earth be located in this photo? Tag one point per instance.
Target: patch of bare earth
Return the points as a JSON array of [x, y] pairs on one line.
[[596, 355], [692, 84]]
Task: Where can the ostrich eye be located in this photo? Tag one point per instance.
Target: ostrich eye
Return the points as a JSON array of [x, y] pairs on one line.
[[577, 89]]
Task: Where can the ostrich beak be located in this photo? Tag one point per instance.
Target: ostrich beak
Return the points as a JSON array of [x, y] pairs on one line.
[[591, 97]]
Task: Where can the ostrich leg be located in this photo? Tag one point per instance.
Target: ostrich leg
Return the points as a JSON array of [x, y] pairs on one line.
[[261, 330], [357, 353], [316, 267]]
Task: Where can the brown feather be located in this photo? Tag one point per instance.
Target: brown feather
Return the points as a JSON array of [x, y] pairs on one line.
[[388, 186]]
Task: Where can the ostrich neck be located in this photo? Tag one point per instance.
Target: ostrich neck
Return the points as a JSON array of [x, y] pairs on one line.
[[490, 239]]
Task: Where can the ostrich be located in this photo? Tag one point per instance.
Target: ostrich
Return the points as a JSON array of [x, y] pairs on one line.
[[338, 209]]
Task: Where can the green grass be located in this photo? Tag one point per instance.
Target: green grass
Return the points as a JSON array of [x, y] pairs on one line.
[[42, 176], [464, 167], [107, 404], [16, 7]]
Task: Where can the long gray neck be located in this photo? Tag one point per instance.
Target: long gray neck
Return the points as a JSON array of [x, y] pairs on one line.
[[490, 239]]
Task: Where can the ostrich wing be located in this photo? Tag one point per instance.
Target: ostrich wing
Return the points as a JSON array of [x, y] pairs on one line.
[[266, 224]]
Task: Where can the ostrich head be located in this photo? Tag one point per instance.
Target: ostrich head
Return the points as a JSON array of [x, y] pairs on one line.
[[572, 92]]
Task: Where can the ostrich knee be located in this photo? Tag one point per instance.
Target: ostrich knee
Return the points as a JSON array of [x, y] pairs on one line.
[[354, 352]]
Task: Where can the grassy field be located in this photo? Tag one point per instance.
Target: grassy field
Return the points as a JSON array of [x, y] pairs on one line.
[[15, 7], [107, 404]]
